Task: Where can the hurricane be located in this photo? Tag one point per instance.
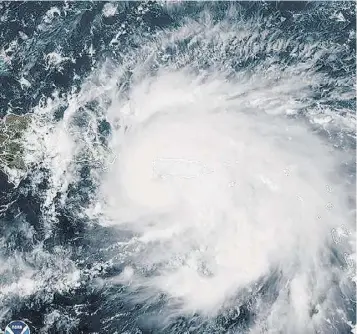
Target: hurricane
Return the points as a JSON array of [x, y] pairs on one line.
[[178, 167]]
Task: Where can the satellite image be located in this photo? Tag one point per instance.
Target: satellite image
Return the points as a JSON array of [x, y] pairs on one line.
[[176, 167]]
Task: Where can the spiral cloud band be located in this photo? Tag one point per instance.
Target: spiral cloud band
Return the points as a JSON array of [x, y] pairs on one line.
[[227, 176]]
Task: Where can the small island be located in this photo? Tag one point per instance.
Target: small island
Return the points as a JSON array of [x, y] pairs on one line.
[[12, 128]]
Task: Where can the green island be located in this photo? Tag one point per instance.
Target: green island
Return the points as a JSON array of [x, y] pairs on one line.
[[12, 128]]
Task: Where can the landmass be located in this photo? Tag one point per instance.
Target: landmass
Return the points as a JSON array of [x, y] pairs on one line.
[[12, 128]]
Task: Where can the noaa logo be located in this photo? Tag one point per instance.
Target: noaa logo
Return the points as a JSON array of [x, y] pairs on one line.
[[17, 327]]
